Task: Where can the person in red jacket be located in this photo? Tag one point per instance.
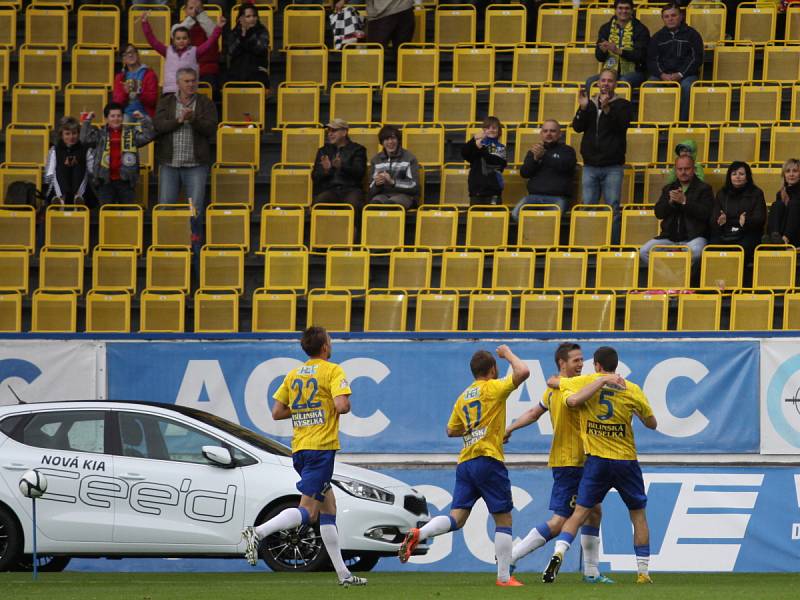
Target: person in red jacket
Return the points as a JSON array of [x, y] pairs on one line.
[[200, 27], [135, 86]]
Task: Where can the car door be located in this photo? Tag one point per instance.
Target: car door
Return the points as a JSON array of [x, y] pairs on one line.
[[177, 499], [68, 447]]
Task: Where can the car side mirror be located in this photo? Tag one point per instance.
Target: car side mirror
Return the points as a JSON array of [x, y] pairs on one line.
[[218, 455]]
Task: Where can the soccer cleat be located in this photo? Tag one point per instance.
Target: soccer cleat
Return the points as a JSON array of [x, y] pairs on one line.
[[510, 583], [549, 575], [643, 578], [353, 580], [251, 542], [597, 579], [408, 545]]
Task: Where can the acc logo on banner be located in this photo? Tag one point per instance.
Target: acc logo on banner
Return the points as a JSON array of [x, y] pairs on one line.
[[780, 402]]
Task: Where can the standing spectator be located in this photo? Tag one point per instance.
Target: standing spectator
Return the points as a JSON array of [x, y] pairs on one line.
[[339, 168], [675, 53], [247, 55], [135, 86], [395, 172], [604, 119], [114, 164], [739, 211], [783, 226], [180, 54], [684, 209], [622, 46], [65, 174], [549, 168], [186, 123], [388, 21], [486, 156], [201, 28]]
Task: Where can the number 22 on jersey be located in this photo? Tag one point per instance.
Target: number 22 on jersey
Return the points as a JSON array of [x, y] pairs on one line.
[[305, 392]]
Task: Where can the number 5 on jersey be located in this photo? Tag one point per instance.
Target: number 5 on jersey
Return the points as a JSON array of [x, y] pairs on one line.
[[605, 400]]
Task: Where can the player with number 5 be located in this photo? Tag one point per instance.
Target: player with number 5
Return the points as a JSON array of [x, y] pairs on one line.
[[313, 395], [479, 417]]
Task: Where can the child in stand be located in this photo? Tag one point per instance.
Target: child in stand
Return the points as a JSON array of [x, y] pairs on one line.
[[180, 54], [65, 175], [486, 155]]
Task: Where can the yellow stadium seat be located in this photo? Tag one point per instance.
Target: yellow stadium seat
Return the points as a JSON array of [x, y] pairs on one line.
[[331, 225], [368, 137], [67, 226], [655, 178], [782, 146], [8, 27], [27, 144], [539, 225], [172, 225], [228, 225], [12, 173], [541, 310], [596, 16], [40, 65], [298, 104], [642, 145], [462, 268], [565, 268], [5, 61], [216, 311], [474, 64], [385, 310], [420, 24], [121, 226], [769, 180], [781, 62], [489, 310], [774, 267], [233, 184], [14, 263], [709, 20], [487, 226], [303, 25], [290, 185], [437, 310], [792, 30], [351, 102], [650, 16], [18, 226], [108, 311], [791, 310], [455, 24], [505, 24], [659, 102], [752, 310], [699, 311], [721, 267], [513, 268], [510, 102], [347, 268], [80, 98], [99, 25], [10, 312], [733, 62], [162, 311], [558, 101], [700, 134], [403, 103], [639, 224], [426, 142], [168, 268], [525, 137], [454, 103], [155, 61], [244, 102], [755, 21], [281, 226], [533, 62], [362, 63], [307, 65], [239, 145], [222, 268], [646, 312], [274, 310], [669, 267], [454, 189], [46, 25], [114, 269], [418, 64], [739, 142], [299, 145], [33, 105], [160, 20], [61, 269], [410, 268], [593, 310], [557, 24], [329, 309], [760, 102], [590, 225], [383, 226], [286, 268], [93, 66], [580, 63], [54, 311], [617, 269], [436, 226]]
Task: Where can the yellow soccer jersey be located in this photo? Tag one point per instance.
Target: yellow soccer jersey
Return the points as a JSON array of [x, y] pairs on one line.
[[309, 391], [566, 450], [481, 410], [606, 417]]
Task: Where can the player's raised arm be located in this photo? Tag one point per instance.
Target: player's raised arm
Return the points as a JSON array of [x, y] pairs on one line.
[[581, 396], [519, 370], [529, 416]]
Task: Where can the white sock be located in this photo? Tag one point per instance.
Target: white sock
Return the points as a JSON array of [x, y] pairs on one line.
[[286, 519], [561, 547], [330, 537], [590, 544], [502, 550], [642, 564], [532, 541], [436, 526]]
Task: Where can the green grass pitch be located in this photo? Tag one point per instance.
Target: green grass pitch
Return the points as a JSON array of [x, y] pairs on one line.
[[388, 586]]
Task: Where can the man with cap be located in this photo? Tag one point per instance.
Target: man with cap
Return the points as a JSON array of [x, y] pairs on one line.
[[339, 168]]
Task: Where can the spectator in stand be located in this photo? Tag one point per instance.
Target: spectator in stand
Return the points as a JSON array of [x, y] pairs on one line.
[[247, 53], [622, 46], [339, 168], [135, 86], [783, 226], [65, 175], [684, 209], [675, 53], [604, 119], [180, 54], [201, 28], [114, 164], [387, 21], [549, 168], [739, 210], [486, 156], [186, 123], [395, 172]]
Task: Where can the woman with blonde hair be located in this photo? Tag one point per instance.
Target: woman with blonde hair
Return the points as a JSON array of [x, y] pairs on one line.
[[783, 224]]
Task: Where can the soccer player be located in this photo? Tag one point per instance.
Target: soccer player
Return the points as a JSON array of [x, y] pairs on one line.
[[313, 396], [479, 417], [566, 461], [606, 404]]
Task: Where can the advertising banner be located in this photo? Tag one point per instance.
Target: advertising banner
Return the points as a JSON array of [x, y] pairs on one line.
[[780, 397]]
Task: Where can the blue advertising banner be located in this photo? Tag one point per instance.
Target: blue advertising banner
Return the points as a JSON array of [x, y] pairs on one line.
[[701, 519], [704, 394]]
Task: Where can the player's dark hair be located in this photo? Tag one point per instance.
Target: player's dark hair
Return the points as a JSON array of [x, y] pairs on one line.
[[482, 363], [314, 338], [607, 358], [563, 350]]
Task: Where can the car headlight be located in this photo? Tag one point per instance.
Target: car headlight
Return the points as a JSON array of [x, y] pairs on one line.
[[359, 489]]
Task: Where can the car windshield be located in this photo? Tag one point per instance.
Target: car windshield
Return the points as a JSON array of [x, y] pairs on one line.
[[244, 434]]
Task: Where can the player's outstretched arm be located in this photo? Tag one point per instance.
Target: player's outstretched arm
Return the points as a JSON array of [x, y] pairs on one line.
[[581, 396], [280, 411], [525, 419], [342, 404], [519, 370]]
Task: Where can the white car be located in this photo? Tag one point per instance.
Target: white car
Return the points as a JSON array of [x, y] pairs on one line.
[[146, 479]]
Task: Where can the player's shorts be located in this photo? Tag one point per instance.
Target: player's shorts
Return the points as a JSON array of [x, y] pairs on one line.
[[565, 490], [602, 474], [483, 477], [315, 468]]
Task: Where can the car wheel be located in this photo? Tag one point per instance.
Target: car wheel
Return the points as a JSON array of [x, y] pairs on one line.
[[300, 549], [45, 563], [361, 563], [10, 540]]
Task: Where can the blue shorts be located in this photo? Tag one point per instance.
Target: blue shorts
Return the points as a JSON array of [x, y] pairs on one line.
[[602, 474], [315, 468], [483, 477], [565, 490]]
